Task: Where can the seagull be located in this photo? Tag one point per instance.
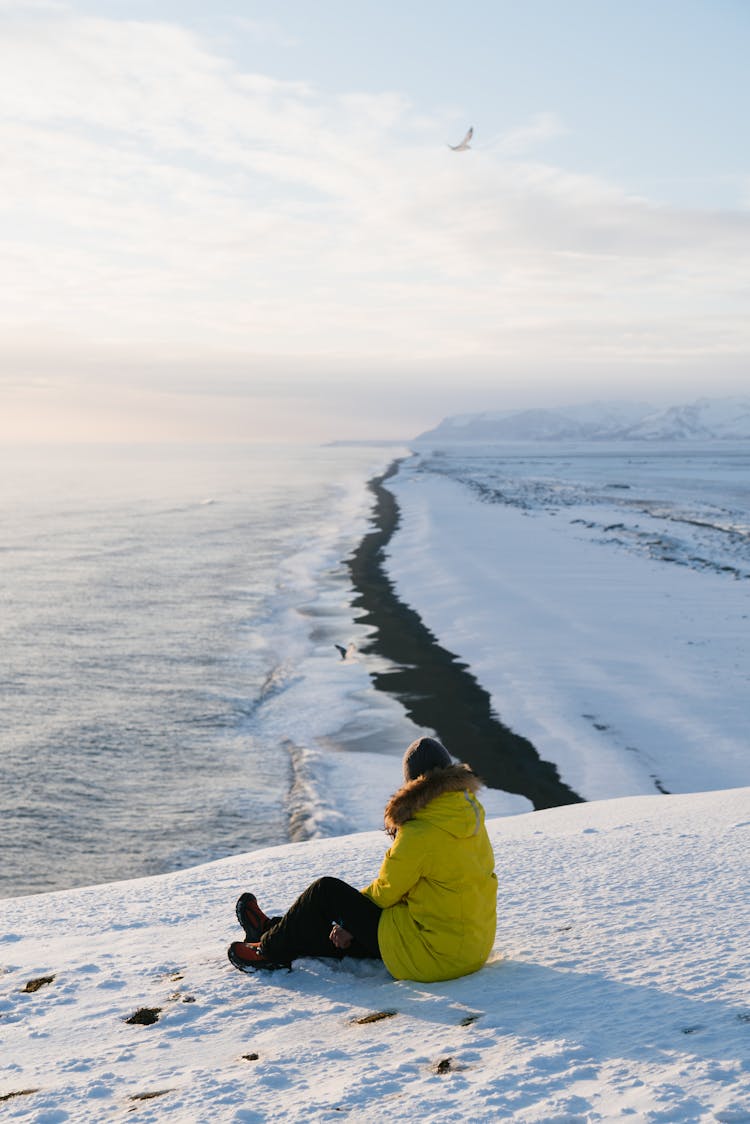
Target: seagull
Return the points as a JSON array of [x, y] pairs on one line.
[[464, 143], [346, 652]]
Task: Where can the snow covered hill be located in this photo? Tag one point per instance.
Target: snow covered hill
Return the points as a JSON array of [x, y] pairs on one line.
[[707, 419], [616, 990]]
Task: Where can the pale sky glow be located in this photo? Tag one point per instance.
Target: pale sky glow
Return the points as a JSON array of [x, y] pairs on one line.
[[251, 225]]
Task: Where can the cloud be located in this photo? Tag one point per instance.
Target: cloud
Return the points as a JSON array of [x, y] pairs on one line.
[[33, 7], [160, 203]]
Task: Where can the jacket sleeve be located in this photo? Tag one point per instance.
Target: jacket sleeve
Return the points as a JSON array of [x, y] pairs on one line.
[[401, 869]]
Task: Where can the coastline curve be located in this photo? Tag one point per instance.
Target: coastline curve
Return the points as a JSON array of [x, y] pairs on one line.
[[436, 688]]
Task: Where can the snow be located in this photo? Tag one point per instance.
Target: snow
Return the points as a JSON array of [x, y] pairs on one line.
[[616, 989], [612, 633], [704, 419]]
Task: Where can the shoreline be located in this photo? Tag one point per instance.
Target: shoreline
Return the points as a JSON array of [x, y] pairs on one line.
[[436, 688]]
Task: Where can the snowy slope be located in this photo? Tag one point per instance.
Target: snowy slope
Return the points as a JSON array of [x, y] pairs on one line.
[[624, 662], [706, 419], [617, 988]]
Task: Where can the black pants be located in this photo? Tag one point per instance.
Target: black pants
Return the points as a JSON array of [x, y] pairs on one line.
[[305, 928]]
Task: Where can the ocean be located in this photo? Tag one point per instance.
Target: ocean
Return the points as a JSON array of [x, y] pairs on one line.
[[167, 636], [170, 689]]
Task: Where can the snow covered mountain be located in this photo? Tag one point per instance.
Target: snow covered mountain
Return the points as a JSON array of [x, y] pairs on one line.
[[706, 419]]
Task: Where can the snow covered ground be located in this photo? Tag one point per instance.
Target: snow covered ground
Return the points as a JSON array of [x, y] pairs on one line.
[[612, 631], [616, 990], [603, 599]]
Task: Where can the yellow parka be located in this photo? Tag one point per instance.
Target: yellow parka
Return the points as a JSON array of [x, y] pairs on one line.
[[437, 887]]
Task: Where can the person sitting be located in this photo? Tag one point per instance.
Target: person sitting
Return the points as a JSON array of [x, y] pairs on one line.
[[431, 912]]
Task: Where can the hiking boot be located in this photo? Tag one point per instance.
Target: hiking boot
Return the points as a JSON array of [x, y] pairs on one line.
[[247, 956], [251, 917]]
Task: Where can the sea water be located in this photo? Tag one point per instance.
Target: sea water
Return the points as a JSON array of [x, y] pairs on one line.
[[168, 619], [158, 606]]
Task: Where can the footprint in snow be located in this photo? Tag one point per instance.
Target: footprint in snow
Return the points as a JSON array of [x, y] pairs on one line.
[[34, 985], [447, 1065], [145, 1016]]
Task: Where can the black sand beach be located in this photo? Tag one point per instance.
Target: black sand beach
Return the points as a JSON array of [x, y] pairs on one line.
[[436, 688]]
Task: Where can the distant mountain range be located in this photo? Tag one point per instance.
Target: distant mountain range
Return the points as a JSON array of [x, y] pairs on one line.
[[707, 419]]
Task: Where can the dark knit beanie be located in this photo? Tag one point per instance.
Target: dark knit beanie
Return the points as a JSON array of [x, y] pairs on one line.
[[425, 754]]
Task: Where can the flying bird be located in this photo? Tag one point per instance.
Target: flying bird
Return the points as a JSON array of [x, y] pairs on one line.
[[464, 143]]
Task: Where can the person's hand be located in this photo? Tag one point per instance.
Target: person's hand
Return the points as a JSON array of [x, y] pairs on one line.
[[340, 938]]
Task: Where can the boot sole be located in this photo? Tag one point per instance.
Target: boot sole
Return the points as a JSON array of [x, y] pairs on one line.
[[249, 966]]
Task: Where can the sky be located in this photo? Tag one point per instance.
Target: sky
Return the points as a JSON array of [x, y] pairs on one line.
[[243, 221]]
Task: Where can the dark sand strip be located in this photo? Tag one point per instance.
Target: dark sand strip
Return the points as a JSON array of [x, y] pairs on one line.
[[437, 690]]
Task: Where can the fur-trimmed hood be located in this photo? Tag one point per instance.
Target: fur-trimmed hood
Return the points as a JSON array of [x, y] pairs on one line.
[[417, 794]]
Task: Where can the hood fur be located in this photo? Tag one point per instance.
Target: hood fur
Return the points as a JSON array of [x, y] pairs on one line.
[[417, 794]]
